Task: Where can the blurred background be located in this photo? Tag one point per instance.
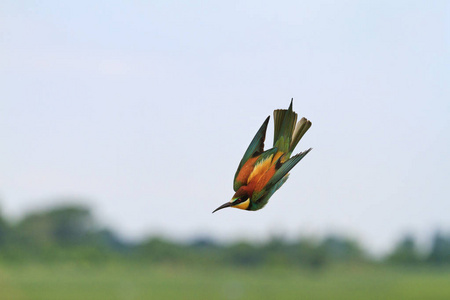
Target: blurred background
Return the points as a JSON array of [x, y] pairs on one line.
[[122, 124]]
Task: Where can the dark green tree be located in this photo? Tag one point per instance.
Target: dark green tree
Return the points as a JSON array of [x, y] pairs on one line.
[[159, 250], [440, 249], [63, 226], [341, 249], [5, 232], [405, 252]]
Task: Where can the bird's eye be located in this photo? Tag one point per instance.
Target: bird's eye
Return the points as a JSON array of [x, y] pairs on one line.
[[240, 200], [241, 203]]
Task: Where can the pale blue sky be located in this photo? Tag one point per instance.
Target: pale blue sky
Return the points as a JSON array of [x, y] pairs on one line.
[[145, 108]]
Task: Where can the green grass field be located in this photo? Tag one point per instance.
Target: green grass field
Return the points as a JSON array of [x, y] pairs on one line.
[[128, 282]]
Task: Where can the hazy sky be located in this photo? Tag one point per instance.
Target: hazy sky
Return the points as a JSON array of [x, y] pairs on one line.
[[145, 108]]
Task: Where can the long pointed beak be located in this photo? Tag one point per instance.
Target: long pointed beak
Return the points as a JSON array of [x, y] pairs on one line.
[[228, 204]]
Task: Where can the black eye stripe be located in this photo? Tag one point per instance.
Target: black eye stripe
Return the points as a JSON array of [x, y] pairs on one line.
[[240, 200]]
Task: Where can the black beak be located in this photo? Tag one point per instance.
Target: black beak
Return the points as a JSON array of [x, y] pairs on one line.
[[228, 204]]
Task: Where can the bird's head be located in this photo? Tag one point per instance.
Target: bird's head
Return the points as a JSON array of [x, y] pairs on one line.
[[239, 200]]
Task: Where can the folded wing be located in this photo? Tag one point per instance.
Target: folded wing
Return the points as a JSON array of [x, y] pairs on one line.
[[255, 148]]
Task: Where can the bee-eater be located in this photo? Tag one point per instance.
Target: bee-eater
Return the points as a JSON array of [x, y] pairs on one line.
[[261, 173]]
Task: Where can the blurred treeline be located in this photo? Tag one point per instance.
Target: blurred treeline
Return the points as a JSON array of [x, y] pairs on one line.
[[71, 233]]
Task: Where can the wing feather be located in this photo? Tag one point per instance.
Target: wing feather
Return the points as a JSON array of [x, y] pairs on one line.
[[284, 169], [255, 148]]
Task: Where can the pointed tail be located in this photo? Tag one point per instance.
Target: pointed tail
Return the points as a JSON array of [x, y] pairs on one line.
[[287, 131]]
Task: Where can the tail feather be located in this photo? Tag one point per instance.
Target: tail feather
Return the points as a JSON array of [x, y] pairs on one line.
[[300, 129], [278, 116], [284, 126]]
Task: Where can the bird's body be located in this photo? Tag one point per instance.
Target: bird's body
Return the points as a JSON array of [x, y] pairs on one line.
[[261, 173]]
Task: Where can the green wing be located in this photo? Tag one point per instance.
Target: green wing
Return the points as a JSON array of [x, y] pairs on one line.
[[286, 167], [278, 179], [262, 201], [255, 148]]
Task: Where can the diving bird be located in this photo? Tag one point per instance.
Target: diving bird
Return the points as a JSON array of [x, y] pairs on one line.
[[261, 173]]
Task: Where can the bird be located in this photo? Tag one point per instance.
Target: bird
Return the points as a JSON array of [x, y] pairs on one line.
[[262, 172]]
